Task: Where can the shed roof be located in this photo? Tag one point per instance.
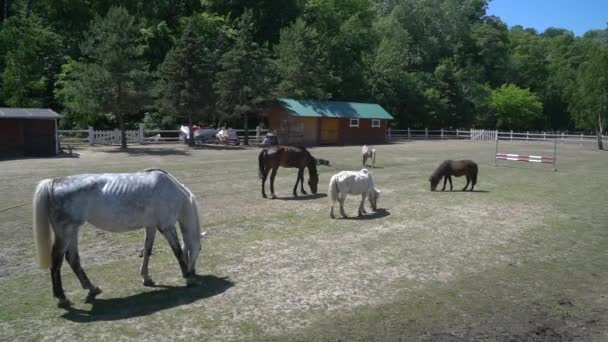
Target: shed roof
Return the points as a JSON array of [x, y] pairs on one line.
[[28, 113], [334, 109]]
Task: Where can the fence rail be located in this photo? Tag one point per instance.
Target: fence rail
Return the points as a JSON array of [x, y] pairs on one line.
[[142, 136], [489, 135]]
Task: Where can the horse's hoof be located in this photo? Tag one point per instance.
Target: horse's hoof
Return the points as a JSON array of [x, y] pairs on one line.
[[264, 196], [304, 192], [274, 197], [64, 303], [191, 281], [149, 282]]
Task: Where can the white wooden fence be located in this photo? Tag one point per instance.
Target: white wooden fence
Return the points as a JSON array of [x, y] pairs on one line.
[[490, 135], [139, 136]]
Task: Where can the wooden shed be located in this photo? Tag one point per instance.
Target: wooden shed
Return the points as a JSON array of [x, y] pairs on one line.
[[311, 123], [28, 132]]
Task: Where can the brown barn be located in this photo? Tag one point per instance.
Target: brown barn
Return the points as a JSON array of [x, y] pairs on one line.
[[28, 132], [311, 123]]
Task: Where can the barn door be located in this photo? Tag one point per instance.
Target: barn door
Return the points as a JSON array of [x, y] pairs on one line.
[[39, 137], [329, 131]]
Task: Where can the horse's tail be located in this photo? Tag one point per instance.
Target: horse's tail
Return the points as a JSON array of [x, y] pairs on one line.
[[261, 163], [474, 175], [42, 229], [333, 189]]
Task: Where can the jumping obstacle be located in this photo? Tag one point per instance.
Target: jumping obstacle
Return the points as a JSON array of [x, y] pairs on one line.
[[527, 158]]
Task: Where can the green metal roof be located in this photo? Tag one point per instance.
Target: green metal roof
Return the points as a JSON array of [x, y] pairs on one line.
[[334, 109]]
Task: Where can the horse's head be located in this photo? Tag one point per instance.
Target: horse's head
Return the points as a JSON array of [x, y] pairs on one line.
[[373, 199], [313, 181], [434, 179]]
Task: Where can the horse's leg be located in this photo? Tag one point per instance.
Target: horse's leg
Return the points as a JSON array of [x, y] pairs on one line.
[[445, 180], [264, 176], [450, 179], [331, 211], [148, 243], [73, 258], [170, 234], [273, 173], [362, 205], [302, 182], [341, 199], [468, 181], [300, 176], [57, 254], [364, 159]]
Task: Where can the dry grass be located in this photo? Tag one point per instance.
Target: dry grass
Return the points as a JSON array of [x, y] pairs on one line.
[[488, 265]]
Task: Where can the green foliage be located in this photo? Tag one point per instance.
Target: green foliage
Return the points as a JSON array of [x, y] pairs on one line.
[[430, 63], [515, 108], [112, 78], [244, 82], [590, 94], [31, 57], [303, 63]]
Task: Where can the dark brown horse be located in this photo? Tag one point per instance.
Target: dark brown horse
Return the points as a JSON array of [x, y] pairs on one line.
[[288, 156], [455, 168]]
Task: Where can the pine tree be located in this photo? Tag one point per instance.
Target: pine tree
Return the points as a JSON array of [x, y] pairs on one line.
[[112, 77], [243, 84], [186, 78]]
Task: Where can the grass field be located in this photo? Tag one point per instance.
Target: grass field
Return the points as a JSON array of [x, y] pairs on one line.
[[525, 258]]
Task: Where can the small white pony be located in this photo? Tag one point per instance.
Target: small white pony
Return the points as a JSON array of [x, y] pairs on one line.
[[354, 183], [368, 152], [115, 202]]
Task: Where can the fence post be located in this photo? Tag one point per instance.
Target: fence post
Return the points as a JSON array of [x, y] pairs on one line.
[[389, 134], [409, 136], [91, 135], [511, 135], [562, 137], [544, 135], [457, 133], [426, 133], [527, 135], [141, 133], [442, 134], [581, 138], [116, 138]]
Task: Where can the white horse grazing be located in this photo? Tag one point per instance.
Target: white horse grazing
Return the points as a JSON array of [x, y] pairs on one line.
[[368, 152], [354, 183], [116, 202]]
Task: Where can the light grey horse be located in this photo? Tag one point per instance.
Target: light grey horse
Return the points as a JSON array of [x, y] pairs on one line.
[[368, 152], [115, 202], [354, 183]]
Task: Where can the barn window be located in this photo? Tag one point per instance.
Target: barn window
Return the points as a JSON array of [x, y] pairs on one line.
[[354, 122], [375, 123]]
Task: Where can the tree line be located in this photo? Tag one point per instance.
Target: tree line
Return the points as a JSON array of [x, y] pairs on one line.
[[431, 63]]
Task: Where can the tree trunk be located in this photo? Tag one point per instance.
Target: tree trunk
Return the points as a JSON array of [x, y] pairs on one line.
[[600, 143], [123, 133], [191, 138], [5, 9], [246, 127]]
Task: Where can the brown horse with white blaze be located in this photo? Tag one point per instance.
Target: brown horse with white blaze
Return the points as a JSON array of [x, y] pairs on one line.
[[456, 168], [288, 156]]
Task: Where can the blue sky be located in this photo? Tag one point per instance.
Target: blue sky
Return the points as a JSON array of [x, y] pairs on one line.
[[575, 15]]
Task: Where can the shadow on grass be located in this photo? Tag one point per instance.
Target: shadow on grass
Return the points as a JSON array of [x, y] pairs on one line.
[[149, 302], [220, 147], [137, 151], [302, 197], [379, 213], [460, 190]]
